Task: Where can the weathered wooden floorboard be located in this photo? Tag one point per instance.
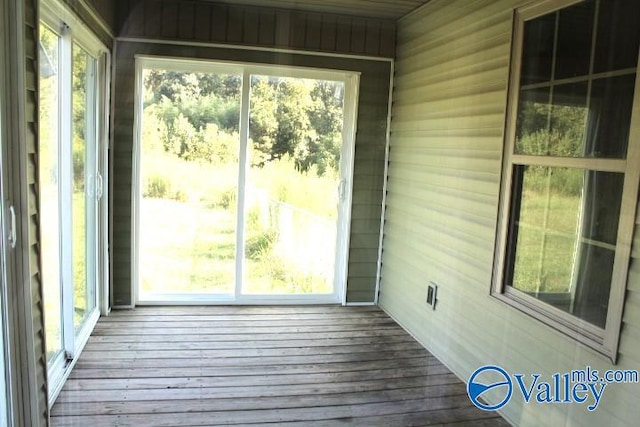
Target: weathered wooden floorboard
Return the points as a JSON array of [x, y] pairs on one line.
[[256, 403], [438, 418], [296, 366], [438, 377], [224, 317], [249, 351], [104, 396], [233, 330], [248, 323], [277, 415], [256, 343], [195, 336], [327, 310], [241, 361], [162, 370]]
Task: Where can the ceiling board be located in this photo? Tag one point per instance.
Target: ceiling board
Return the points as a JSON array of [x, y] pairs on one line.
[[386, 9]]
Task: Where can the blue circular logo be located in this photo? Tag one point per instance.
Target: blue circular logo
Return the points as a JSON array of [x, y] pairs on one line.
[[477, 387]]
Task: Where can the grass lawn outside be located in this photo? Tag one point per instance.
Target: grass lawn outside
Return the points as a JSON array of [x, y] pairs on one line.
[[188, 229]]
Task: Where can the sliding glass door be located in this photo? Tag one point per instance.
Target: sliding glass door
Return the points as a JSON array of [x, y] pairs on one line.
[[50, 194], [189, 182], [243, 182], [84, 198], [69, 187], [293, 187]]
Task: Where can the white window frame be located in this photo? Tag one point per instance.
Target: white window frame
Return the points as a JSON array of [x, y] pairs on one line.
[[246, 69], [5, 227], [603, 340], [72, 31]]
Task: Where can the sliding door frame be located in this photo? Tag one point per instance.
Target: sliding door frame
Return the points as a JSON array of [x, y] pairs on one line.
[[350, 79], [7, 228], [72, 32]]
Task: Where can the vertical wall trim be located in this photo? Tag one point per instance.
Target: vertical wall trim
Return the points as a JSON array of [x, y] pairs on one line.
[[347, 175], [111, 169], [136, 190], [385, 183], [105, 177]]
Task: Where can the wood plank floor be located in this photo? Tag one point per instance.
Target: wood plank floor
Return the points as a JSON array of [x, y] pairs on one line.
[[297, 366]]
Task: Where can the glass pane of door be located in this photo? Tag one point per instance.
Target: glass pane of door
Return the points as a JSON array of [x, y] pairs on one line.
[[292, 185], [189, 183], [83, 186], [49, 172]]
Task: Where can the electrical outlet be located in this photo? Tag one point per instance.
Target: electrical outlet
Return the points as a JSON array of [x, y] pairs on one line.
[[432, 293]]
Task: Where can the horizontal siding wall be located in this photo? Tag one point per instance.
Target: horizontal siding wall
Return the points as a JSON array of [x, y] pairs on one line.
[[368, 163], [39, 404], [450, 96], [208, 22]]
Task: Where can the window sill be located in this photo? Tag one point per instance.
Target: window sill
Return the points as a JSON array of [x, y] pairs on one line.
[[581, 332]]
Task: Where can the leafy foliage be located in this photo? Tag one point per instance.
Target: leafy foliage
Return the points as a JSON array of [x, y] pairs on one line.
[[197, 118]]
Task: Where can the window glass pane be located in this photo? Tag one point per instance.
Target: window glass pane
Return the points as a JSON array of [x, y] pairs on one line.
[[537, 55], [532, 133], [83, 206], [610, 116], [552, 128], [291, 223], [562, 237], [568, 120], [49, 172], [574, 40], [618, 35], [189, 166], [571, 126]]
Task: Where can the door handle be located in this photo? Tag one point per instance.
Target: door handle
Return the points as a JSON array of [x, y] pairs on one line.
[[13, 237], [99, 186], [342, 189]]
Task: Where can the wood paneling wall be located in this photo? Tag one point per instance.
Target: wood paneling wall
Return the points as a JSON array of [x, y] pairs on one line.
[[449, 108], [207, 22], [106, 9], [369, 154]]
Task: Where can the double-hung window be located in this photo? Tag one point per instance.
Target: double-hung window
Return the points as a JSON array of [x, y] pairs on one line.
[[570, 170]]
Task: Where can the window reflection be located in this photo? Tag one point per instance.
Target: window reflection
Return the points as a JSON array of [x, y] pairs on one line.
[[563, 121], [577, 80], [538, 48], [610, 116], [618, 35], [564, 233], [575, 33]]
